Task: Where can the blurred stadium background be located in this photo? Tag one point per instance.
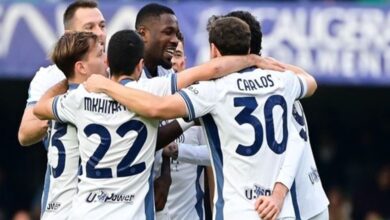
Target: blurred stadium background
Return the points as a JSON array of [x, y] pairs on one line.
[[345, 44]]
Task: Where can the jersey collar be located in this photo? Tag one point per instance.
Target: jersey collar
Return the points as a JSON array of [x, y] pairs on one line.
[[125, 81], [73, 86], [248, 69]]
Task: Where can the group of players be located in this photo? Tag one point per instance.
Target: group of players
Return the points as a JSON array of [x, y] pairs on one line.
[[105, 130]]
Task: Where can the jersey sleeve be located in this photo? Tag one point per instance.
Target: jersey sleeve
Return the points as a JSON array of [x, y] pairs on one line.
[[293, 154], [202, 138], [162, 85], [200, 98], [45, 78], [296, 88], [65, 106], [194, 154], [295, 85]]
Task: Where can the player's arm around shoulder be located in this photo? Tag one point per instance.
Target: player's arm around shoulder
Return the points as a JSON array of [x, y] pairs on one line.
[[138, 101], [44, 107], [311, 84], [308, 78], [222, 66]]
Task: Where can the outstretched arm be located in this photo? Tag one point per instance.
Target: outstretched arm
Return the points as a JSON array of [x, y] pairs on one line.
[[151, 106], [140, 102], [222, 66]]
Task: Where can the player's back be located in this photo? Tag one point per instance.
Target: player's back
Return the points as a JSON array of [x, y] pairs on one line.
[[247, 131], [117, 152]]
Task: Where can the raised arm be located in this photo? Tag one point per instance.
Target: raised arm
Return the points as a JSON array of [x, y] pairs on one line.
[[44, 107]]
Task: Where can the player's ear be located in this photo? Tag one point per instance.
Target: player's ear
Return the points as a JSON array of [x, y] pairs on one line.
[[106, 62], [140, 65], [142, 31], [214, 52], [80, 68]]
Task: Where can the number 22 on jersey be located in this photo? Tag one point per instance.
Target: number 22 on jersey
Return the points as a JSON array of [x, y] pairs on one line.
[[123, 169]]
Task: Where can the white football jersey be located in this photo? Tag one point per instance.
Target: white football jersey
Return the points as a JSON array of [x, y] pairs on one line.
[[161, 71], [311, 197], [199, 154], [246, 120], [145, 75], [186, 193], [63, 166], [62, 152], [45, 78], [117, 152]]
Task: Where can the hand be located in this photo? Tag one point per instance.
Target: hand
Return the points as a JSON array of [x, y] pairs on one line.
[[161, 190], [96, 83], [268, 207], [171, 150], [268, 63]]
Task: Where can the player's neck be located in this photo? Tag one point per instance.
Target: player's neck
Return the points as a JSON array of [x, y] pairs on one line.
[[151, 68], [77, 79], [122, 77]]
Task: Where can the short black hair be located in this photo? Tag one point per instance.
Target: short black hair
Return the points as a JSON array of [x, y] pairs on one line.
[[230, 35], [151, 10], [125, 50], [72, 8], [254, 26]]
